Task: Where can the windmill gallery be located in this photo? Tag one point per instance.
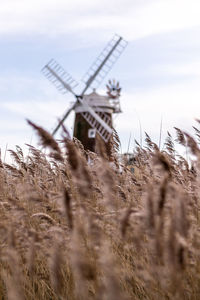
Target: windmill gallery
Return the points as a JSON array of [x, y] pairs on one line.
[[93, 112]]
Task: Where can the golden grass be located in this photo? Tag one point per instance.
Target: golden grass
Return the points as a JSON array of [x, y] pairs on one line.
[[73, 230]]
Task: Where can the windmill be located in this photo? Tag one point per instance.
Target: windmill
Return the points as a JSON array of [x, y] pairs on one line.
[[93, 112]]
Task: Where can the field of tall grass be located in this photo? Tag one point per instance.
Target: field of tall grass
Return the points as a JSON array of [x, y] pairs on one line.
[[75, 230]]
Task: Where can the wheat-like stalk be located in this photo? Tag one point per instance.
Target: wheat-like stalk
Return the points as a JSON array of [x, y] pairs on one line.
[[81, 225]]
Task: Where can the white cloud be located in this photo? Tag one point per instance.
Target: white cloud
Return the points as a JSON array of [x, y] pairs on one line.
[[178, 105], [190, 69], [34, 99], [163, 16], [90, 21], [133, 19]]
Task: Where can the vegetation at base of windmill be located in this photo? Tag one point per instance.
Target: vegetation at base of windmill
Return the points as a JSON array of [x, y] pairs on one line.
[[73, 230]]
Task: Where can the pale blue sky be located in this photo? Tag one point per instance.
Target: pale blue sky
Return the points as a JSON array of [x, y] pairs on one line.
[[159, 71]]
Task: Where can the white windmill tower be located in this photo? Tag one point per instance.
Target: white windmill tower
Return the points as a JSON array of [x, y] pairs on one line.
[[93, 112]]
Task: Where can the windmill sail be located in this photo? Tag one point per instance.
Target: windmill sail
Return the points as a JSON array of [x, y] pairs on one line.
[[59, 77], [104, 62], [64, 118], [100, 123]]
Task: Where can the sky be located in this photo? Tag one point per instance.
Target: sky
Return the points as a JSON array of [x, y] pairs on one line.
[[159, 71]]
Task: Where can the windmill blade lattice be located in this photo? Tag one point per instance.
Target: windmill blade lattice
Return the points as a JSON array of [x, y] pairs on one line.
[[64, 118], [59, 77], [97, 124], [101, 122], [104, 62]]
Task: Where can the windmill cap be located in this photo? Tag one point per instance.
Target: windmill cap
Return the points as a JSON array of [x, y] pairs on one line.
[[98, 102]]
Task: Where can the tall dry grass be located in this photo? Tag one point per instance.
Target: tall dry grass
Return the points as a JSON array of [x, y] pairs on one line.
[[73, 230]]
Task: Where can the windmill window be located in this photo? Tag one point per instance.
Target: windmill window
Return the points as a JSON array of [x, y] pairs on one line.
[[91, 133]]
